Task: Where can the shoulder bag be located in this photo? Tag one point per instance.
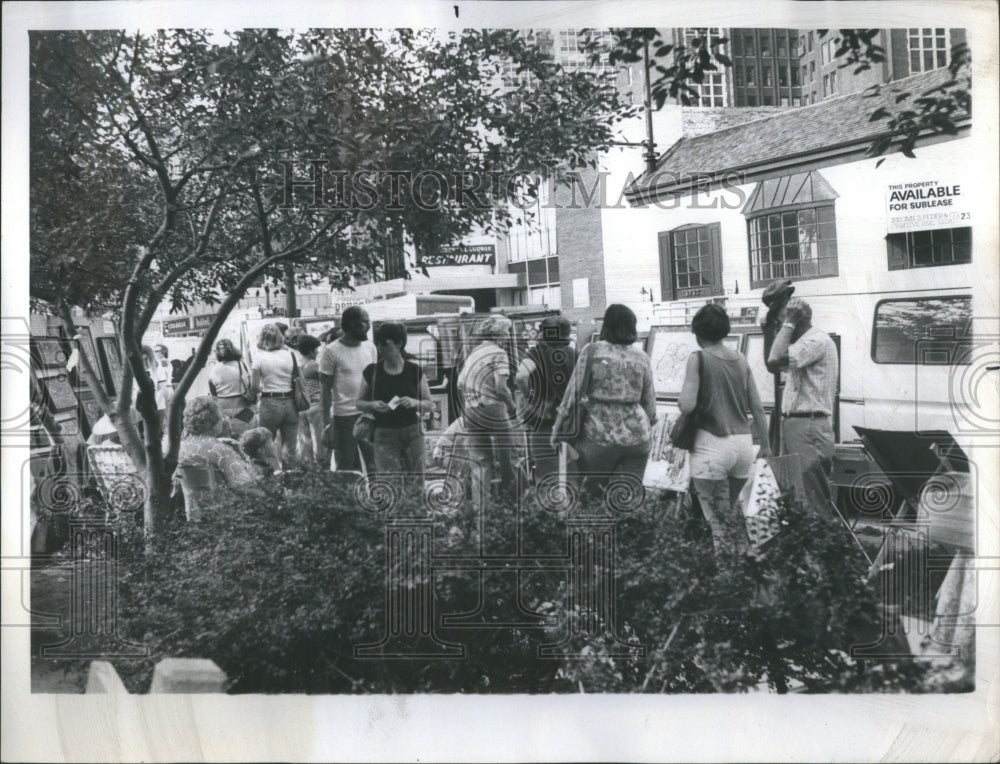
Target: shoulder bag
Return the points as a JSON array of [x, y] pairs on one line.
[[299, 397], [364, 425], [572, 423], [246, 391], [683, 431]]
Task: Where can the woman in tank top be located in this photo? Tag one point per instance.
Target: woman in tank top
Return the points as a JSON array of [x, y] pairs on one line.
[[724, 392], [395, 390]]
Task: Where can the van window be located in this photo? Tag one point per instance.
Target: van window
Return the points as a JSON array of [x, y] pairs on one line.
[[925, 331], [423, 346]]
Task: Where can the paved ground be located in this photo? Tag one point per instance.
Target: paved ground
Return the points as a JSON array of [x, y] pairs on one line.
[[50, 590]]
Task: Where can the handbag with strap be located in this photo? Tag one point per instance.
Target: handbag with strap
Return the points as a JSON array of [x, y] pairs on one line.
[[364, 425], [572, 424], [683, 431], [246, 391], [299, 398]]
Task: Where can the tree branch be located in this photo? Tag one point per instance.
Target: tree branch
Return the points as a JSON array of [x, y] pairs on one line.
[[201, 356]]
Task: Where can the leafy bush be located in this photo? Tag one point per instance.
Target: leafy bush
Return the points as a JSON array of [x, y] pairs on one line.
[[280, 592], [786, 617]]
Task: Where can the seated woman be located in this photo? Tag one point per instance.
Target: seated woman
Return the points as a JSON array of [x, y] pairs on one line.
[[259, 446], [206, 461]]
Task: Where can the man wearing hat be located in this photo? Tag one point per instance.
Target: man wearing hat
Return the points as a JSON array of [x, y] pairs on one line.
[[810, 357], [775, 298], [541, 381]]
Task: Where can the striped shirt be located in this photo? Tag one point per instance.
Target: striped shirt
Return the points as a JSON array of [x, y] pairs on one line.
[[812, 374]]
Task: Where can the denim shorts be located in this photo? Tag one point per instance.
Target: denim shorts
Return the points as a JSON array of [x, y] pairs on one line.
[[717, 458]]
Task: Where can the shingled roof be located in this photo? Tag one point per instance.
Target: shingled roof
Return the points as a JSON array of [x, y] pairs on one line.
[[837, 129]]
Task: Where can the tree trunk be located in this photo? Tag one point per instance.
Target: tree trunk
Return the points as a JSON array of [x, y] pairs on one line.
[[128, 433], [291, 306], [157, 504]]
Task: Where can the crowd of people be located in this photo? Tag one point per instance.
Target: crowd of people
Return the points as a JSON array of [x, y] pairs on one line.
[[365, 401]]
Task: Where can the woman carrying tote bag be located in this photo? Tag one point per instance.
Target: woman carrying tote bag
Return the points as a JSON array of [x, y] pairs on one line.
[[719, 383], [229, 383], [609, 405]]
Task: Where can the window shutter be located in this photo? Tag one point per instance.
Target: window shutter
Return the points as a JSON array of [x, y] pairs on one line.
[[898, 256], [666, 283], [715, 242]]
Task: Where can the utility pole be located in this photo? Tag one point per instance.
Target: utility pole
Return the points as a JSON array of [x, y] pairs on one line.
[[650, 153], [291, 308]]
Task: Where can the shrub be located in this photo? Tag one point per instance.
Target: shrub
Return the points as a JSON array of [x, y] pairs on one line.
[[280, 592], [786, 617]]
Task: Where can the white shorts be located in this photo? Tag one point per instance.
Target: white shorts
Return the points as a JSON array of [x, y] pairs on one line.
[[717, 458]]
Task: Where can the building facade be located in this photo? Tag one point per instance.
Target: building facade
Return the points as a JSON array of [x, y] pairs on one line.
[[907, 52], [765, 69], [885, 254]]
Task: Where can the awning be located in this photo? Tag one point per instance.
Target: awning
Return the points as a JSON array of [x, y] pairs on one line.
[[788, 191]]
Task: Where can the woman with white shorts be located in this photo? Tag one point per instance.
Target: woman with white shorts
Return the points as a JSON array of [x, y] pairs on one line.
[[721, 386]]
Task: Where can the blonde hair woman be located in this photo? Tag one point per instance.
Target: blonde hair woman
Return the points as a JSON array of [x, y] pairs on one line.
[[271, 377]]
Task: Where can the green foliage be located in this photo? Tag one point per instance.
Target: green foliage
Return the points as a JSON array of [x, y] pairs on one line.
[[932, 112], [280, 592], [785, 618], [674, 69]]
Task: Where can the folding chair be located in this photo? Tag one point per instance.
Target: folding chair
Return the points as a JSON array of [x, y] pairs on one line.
[[909, 460]]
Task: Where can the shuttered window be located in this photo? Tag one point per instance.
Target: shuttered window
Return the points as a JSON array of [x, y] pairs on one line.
[[691, 262]]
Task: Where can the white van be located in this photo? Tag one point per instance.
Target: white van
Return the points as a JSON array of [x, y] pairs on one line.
[[908, 362]]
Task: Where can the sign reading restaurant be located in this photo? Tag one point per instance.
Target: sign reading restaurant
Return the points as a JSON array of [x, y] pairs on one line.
[[461, 254]]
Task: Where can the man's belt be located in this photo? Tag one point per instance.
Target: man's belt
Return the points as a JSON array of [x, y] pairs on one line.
[[805, 414]]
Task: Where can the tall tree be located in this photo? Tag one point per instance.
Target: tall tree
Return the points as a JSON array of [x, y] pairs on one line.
[[169, 167]]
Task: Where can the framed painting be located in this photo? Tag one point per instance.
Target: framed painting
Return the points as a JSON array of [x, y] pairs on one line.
[[60, 393], [49, 352], [87, 348], [111, 361]]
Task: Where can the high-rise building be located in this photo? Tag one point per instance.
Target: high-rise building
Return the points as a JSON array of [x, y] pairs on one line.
[[765, 69], [715, 89], [908, 51]]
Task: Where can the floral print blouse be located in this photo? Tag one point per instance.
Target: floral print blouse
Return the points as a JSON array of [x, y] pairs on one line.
[[619, 404]]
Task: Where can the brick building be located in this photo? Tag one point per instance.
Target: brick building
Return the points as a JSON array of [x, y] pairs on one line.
[[908, 52]]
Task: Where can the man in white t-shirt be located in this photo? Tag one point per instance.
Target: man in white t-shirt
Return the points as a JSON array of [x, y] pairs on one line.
[[341, 363]]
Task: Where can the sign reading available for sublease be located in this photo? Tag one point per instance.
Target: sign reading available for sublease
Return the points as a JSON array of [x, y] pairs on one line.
[[927, 204]]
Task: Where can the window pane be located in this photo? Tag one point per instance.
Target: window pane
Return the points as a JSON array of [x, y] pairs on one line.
[[941, 58], [825, 214], [788, 219], [827, 231], [774, 221], [807, 217], [911, 331], [928, 60], [914, 61]]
